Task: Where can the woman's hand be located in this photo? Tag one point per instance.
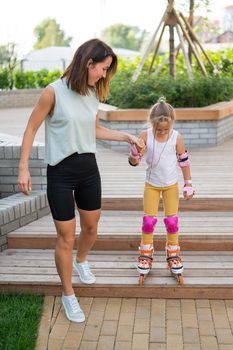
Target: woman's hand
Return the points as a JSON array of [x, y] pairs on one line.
[[24, 182], [135, 140]]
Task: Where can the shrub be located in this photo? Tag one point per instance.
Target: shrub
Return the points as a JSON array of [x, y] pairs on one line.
[[25, 80], [180, 92], [4, 79], [31, 79]]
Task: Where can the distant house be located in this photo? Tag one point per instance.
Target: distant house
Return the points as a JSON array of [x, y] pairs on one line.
[[51, 58], [126, 54], [59, 57], [220, 42], [226, 37]]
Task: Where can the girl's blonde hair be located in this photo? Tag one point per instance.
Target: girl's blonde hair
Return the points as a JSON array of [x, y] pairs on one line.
[[161, 112]]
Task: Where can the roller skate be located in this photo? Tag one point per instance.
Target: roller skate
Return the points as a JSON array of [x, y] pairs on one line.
[[174, 262], [145, 260]]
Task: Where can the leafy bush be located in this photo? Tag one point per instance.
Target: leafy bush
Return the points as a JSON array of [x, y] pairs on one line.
[[146, 90], [180, 92], [4, 79], [45, 77], [25, 80], [31, 79]]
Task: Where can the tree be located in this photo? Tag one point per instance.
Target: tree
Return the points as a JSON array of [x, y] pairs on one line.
[[8, 60], [49, 33], [124, 36]]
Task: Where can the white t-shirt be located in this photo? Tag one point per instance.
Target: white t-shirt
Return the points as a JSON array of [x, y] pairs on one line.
[[161, 159]]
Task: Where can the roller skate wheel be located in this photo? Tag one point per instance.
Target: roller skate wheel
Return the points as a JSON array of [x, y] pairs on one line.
[[180, 279], [141, 279]]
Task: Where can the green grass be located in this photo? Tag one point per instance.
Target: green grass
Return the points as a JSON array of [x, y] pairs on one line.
[[19, 319]]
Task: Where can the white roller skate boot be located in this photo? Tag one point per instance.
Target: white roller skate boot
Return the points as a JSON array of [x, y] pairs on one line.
[[174, 262], [145, 260]]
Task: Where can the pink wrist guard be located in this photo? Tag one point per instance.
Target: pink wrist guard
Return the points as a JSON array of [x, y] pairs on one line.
[[189, 190], [134, 152]]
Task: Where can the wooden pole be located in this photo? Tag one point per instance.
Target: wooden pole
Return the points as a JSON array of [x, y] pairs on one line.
[[191, 16], [141, 63], [187, 37], [190, 29], [186, 58], [172, 63], [156, 49], [166, 61]]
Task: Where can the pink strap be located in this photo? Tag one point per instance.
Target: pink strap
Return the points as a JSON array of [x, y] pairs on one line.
[[133, 150], [134, 153]]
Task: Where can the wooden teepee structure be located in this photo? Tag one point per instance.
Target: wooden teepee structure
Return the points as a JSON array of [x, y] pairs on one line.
[[176, 21]]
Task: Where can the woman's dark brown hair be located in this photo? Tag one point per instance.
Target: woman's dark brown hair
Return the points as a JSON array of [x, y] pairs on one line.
[[76, 73]]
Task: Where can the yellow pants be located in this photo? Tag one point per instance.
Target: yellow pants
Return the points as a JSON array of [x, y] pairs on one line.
[[170, 197]]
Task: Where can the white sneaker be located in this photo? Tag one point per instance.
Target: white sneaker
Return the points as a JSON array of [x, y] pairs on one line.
[[72, 308], [85, 274]]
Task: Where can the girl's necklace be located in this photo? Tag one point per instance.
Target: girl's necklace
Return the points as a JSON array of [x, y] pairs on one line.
[[157, 163]]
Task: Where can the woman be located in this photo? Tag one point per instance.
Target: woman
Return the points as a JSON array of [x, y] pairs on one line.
[[69, 108]]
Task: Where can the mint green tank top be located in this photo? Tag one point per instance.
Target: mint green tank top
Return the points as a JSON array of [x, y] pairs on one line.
[[71, 128]]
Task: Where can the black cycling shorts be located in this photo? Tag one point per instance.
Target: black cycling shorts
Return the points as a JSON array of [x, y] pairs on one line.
[[74, 179]]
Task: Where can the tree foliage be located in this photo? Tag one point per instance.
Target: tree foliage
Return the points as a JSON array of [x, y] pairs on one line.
[[8, 62], [49, 33], [181, 92], [124, 36]]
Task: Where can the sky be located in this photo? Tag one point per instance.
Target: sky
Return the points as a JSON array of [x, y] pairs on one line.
[[82, 19]]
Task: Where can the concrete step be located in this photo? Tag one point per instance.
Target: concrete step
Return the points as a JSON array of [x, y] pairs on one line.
[[207, 275], [120, 230]]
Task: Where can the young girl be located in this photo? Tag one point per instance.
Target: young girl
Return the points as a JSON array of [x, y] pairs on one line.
[[165, 149]]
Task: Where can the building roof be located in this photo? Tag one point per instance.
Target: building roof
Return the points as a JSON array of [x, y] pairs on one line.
[[58, 57]]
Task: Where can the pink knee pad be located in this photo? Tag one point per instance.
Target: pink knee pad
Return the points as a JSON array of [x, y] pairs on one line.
[[148, 223], [171, 223]]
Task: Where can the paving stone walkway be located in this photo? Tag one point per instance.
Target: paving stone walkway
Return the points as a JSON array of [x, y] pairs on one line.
[[139, 324]]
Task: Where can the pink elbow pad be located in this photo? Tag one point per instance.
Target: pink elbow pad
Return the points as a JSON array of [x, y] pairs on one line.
[[183, 159]]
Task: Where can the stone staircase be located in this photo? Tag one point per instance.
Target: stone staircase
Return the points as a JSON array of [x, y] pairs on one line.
[[206, 238]]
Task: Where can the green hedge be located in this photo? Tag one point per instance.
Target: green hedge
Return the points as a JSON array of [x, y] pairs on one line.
[[28, 80], [4, 79], [180, 92]]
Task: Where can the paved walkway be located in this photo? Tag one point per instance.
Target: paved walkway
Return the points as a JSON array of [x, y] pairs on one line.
[[14, 121], [139, 324]]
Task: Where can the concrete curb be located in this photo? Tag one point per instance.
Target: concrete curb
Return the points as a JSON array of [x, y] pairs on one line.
[[18, 210]]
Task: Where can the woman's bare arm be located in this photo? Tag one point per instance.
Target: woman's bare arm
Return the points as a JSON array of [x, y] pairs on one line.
[[43, 107]]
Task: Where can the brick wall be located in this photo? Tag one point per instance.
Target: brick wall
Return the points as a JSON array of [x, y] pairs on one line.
[[19, 98], [196, 133], [18, 210], [9, 161]]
